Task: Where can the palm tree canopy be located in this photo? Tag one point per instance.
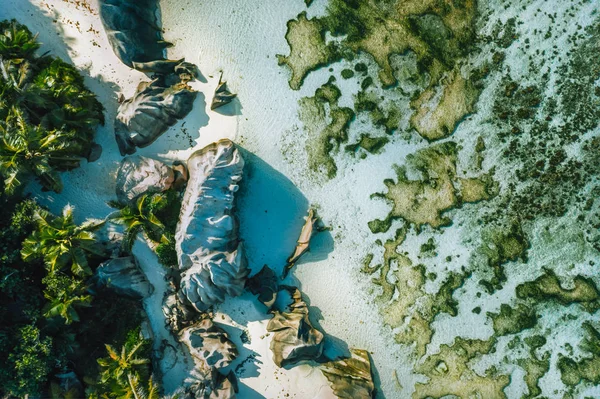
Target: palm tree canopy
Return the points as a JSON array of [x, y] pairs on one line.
[[141, 216], [47, 115], [61, 243], [123, 372]]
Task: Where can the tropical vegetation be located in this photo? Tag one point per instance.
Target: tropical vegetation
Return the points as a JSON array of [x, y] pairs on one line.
[[47, 116], [61, 243], [53, 321], [156, 216], [125, 372], [140, 216]]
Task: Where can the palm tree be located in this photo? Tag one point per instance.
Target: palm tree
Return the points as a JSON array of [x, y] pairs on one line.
[[27, 150], [61, 243], [72, 105], [139, 392], [16, 41], [139, 217], [121, 373], [47, 115]]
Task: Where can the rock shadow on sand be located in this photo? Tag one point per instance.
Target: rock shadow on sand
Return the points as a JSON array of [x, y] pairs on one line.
[[271, 210]]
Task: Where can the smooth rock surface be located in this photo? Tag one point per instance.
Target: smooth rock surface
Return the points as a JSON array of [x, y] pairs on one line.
[[139, 175], [210, 256], [294, 337], [211, 384], [351, 378], [133, 30], [150, 112], [209, 344], [124, 276]]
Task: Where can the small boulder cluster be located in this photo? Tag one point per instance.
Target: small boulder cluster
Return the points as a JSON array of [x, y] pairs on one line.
[[133, 31]]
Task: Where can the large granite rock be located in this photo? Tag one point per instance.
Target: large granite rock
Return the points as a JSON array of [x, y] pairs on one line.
[[124, 276], [211, 384], [211, 258], [154, 108], [209, 344], [351, 378], [139, 175], [294, 337], [133, 30]]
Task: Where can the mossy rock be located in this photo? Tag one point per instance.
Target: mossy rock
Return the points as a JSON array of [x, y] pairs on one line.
[[308, 50], [548, 288]]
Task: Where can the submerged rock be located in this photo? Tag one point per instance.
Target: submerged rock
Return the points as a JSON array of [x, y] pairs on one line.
[[153, 109], [133, 30], [351, 378], [125, 277], [294, 339], [139, 175], [209, 344], [210, 256]]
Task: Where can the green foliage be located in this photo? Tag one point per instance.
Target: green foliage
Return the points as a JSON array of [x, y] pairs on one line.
[[21, 301], [62, 243], [125, 373], [109, 321], [65, 294], [30, 361], [47, 116], [141, 217], [16, 41], [166, 253], [15, 225], [29, 150], [66, 104]]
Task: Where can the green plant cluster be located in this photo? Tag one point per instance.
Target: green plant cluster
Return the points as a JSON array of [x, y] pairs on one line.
[[155, 215], [50, 318], [125, 373], [47, 116]]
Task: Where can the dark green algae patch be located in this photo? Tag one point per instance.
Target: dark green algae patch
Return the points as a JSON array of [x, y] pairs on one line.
[[324, 136], [439, 35], [587, 369]]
